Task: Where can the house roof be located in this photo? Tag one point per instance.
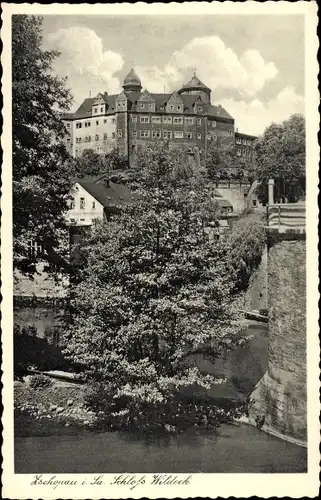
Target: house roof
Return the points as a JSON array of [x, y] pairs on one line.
[[84, 109], [223, 203], [109, 195], [132, 79]]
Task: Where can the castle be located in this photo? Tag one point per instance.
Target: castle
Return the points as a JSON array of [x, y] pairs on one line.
[[186, 118]]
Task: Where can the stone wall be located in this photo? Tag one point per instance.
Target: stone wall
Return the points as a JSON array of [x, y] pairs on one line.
[[281, 394]]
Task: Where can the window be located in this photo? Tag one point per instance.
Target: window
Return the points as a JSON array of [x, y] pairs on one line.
[[113, 135], [101, 109], [156, 119], [82, 203], [238, 152], [179, 107], [78, 125], [214, 124], [244, 142], [167, 119], [167, 134], [144, 133], [105, 121], [244, 152], [134, 118], [178, 121], [238, 140], [68, 125], [156, 133], [144, 119], [68, 139], [142, 106], [189, 121], [171, 107], [189, 135], [96, 137], [134, 133], [119, 133], [105, 136], [93, 205], [113, 120], [199, 121], [178, 134], [161, 108], [199, 136], [78, 139], [151, 106], [87, 124], [214, 137], [95, 111], [88, 139], [72, 204], [254, 203], [200, 109], [97, 122], [34, 248]]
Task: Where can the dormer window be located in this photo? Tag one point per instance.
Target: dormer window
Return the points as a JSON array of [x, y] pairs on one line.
[[179, 107], [101, 109]]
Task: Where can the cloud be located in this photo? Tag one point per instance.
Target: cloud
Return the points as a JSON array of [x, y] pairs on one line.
[[216, 64], [83, 59], [254, 116]]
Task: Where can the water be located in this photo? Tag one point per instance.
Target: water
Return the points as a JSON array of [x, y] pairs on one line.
[[237, 448]]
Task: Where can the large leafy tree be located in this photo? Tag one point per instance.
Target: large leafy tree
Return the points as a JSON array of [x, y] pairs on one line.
[[42, 170], [280, 154], [92, 163], [225, 164], [154, 291]]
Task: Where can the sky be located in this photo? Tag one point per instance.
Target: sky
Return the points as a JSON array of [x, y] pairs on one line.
[[253, 64]]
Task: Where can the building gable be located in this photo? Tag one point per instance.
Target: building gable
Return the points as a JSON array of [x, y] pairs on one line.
[[175, 104]]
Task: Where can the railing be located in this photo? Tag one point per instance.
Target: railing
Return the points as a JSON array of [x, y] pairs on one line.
[[286, 216]]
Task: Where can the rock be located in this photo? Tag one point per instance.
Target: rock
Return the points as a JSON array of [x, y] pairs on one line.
[[53, 407], [70, 402], [60, 409]]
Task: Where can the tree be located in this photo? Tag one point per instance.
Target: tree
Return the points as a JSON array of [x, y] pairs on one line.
[[244, 246], [92, 163], [280, 154], [225, 164], [42, 170], [154, 291]]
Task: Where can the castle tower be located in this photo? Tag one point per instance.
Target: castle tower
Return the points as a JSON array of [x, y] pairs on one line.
[[195, 87], [132, 82]]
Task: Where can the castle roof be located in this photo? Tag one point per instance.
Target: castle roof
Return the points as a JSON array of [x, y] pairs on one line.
[[132, 80], [195, 83], [216, 112]]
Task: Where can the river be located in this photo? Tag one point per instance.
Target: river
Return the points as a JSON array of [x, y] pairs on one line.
[[237, 448]]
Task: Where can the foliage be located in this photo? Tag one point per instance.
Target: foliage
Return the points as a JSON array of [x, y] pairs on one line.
[[92, 163], [280, 155], [244, 247], [154, 289], [40, 381], [224, 164], [42, 168], [31, 351]]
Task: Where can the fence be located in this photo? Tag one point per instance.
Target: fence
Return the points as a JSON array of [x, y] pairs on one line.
[[286, 216]]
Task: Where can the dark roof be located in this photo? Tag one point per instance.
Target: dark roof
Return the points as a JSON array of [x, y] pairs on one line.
[[245, 136], [195, 83], [108, 195], [85, 108], [132, 79], [222, 202]]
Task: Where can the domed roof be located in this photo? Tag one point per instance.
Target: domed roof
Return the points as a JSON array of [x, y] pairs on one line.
[[195, 84], [132, 80]]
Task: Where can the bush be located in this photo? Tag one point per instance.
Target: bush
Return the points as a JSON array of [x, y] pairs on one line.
[[31, 351], [40, 381]]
